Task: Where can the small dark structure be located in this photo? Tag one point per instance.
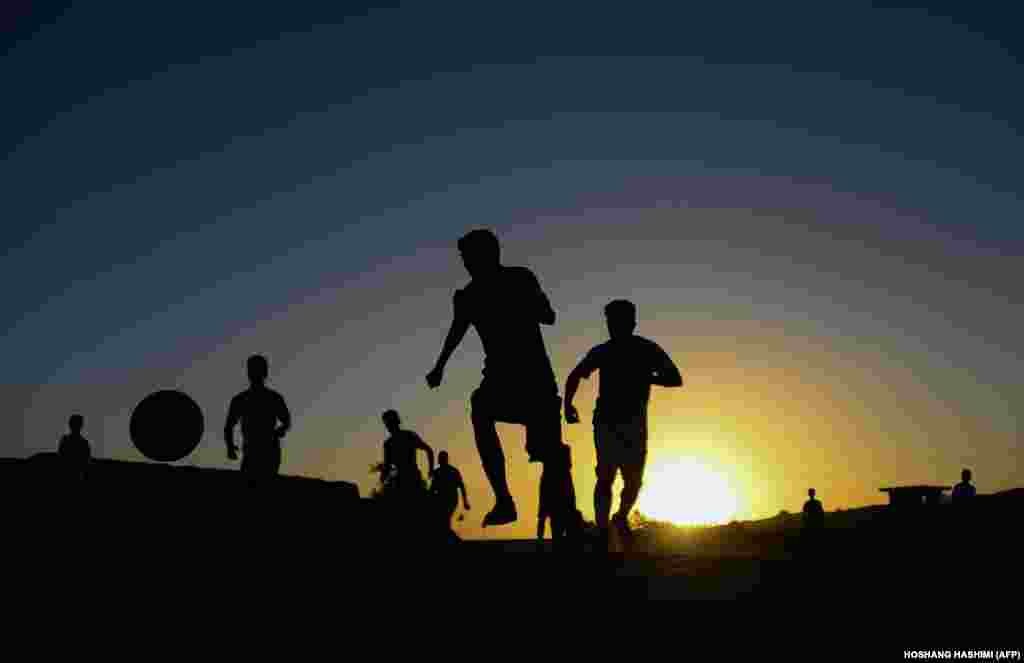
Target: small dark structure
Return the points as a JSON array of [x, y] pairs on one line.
[[909, 496]]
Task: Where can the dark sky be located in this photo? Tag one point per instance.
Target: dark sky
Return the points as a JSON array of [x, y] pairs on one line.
[[188, 183]]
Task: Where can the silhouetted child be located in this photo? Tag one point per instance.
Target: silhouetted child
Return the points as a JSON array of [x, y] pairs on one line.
[[506, 305], [557, 498], [265, 420], [813, 513], [445, 485], [74, 450], [963, 491], [401, 469], [629, 364]]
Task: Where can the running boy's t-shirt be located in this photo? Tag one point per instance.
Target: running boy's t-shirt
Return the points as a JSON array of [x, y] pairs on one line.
[[626, 367], [505, 310]]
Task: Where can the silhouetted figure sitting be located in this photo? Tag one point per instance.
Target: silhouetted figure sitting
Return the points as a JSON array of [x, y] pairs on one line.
[[265, 420], [963, 492], [629, 364], [401, 473], [558, 499], [74, 450], [445, 485], [506, 305], [814, 513]]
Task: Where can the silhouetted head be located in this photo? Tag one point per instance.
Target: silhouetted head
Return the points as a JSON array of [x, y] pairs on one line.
[[480, 251], [76, 422], [391, 420], [621, 317], [966, 475], [442, 458], [811, 493], [258, 369]]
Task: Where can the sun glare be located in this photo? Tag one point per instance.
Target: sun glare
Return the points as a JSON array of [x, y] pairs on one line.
[[687, 492]]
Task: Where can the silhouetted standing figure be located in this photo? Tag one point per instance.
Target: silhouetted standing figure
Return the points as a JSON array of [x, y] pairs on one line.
[[74, 450], [629, 364], [814, 513], [557, 498], [265, 420], [963, 491], [506, 305], [401, 471], [445, 485]]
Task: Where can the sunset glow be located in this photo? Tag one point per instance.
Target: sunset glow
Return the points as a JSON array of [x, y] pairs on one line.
[[687, 492]]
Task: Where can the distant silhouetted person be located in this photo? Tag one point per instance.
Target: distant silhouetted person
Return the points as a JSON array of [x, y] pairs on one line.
[[629, 364], [74, 450], [814, 512], [401, 469], [445, 485], [265, 420], [557, 497], [963, 491], [506, 305]]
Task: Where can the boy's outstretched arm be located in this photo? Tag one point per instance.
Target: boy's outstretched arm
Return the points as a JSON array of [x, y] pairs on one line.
[[457, 331], [665, 373]]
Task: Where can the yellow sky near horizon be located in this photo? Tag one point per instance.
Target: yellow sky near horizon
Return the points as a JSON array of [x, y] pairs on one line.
[[773, 412]]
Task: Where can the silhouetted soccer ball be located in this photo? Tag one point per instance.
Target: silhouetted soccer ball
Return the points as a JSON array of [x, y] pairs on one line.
[[166, 426]]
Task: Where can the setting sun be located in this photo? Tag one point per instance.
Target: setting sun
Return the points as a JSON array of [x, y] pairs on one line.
[[687, 492]]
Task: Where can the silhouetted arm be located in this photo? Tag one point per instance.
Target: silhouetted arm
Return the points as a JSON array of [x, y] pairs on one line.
[[542, 305], [665, 372], [284, 416], [582, 371], [457, 331], [388, 462], [462, 489], [229, 428], [426, 447]]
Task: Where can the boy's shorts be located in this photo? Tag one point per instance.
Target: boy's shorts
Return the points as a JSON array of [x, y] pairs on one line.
[[621, 445], [539, 410]]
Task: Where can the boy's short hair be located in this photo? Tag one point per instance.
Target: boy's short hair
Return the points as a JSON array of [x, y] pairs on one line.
[[619, 308], [480, 242], [390, 414]]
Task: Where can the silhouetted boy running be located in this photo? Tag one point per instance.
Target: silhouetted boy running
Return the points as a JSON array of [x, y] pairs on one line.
[[265, 420], [629, 365], [402, 471], [74, 450], [506, 305], [445, 485]]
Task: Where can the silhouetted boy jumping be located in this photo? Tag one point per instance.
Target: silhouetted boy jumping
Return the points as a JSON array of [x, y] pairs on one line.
[[265, 420], [506, 305], [629, 365]]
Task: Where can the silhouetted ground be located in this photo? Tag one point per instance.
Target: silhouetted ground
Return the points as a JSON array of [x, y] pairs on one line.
[[141, 522]]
